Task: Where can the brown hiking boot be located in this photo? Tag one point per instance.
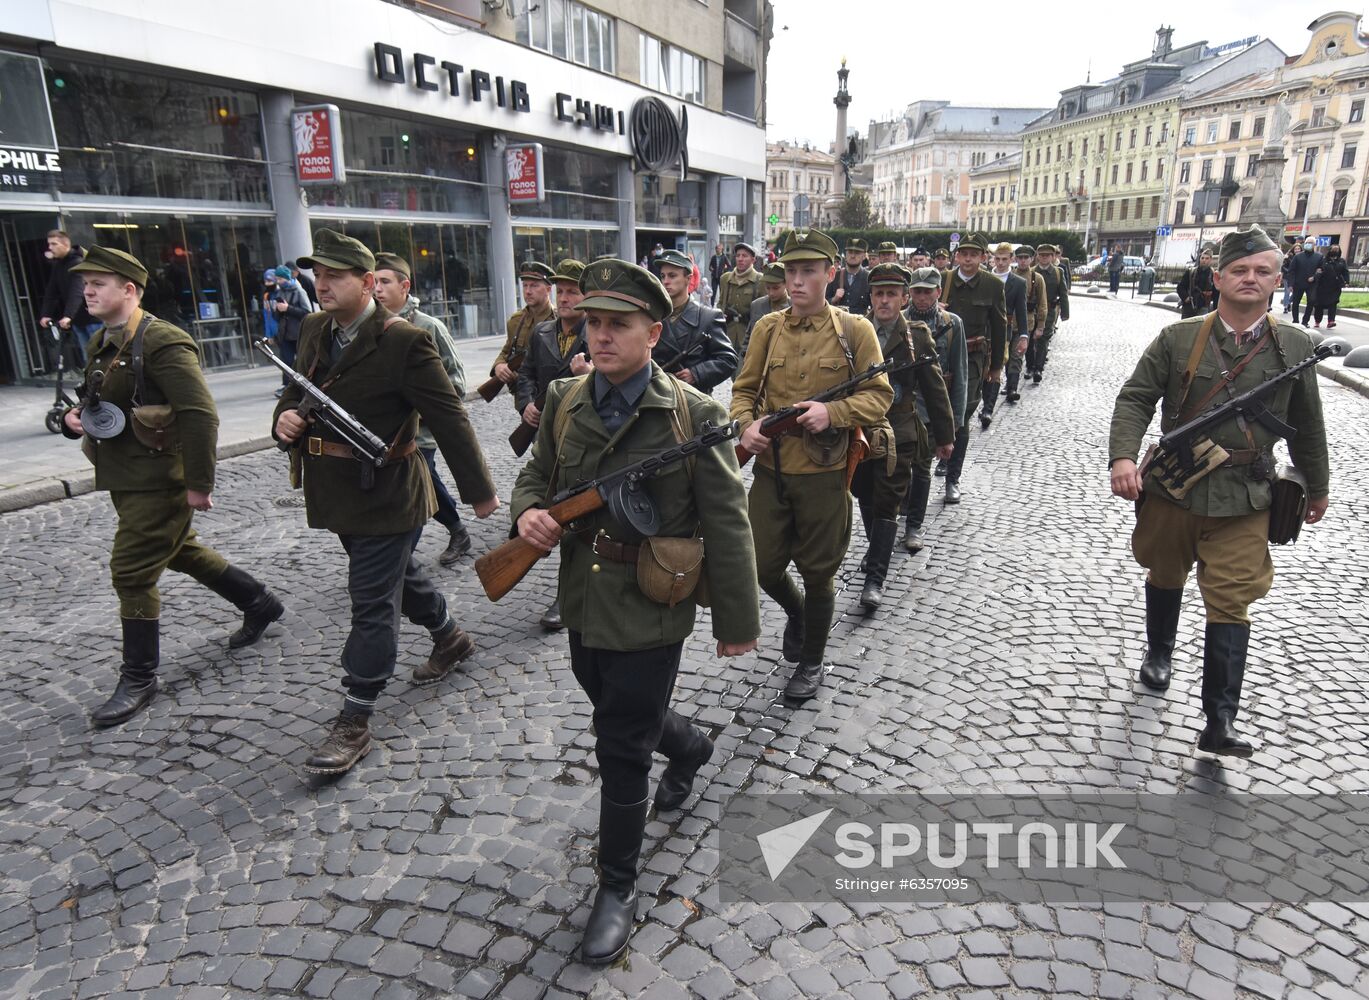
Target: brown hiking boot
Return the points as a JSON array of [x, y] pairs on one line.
[[347, 742], [447, 653]]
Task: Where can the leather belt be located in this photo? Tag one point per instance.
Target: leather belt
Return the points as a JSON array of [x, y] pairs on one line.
[[1244, 456], [336, 449], [606, 548], [975, 343]]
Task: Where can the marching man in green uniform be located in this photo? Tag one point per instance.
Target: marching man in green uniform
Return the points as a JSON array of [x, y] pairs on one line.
[[624, 647], [799, 505], [1057, 308], [737, 289], [1221, 522], [536, 280], [774, 299], [1036, 317], [387, 374], [152, 440]]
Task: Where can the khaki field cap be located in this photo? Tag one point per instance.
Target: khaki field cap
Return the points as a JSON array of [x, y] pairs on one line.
[[807, 244], [855, 246], [891, 274], [773, 274], [617, 286], [1025, 250], [393, 262], [535, 270], [1235, 245], [342, 253], [888, 246], [570, 270], [926, 277], [107, 260]]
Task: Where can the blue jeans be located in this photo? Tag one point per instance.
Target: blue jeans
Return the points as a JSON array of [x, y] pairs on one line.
[[1114, 279]]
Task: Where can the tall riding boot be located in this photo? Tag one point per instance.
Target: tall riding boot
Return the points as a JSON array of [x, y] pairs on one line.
[[788, 596], [990, 400], [137, 674], [249, 595], [688, 749], [817, 626], [881, 548], [919, 491], [615, 903], [1012, 393], [1162, 625], [1223, 670], [866, 519]]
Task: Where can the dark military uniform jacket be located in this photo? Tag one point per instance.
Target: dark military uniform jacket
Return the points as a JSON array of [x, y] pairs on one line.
[[1015, 306], [1036, 299], [902, 342], [545, 363], [1197, 290], [857, 285], [172, 374], [600, 598], [1057, 289], [518, 331], [385, 378], [1227, 490], [698, 331], [979, 304]]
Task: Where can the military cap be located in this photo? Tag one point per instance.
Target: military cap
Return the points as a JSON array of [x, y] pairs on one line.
[[617, 286], [342, 253], [1025, 250], [974, 241], [855, 245], [888, 246], [807, 244], [570, 270], [773, 274], [107, 260], [535, 270], [393, 262], [675, 258], [941, 253], [921, 251], [1047, 248], [744, 246], [891, 274], [925, 277], [1242, 244]]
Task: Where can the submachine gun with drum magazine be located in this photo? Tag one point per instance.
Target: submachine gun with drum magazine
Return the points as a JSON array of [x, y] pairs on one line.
[[621, 491]]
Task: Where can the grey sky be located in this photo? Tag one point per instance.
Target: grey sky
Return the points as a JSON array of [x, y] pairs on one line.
[[900, 51]]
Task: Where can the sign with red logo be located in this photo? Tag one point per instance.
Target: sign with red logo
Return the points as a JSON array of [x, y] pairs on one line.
[[523, 167], [318, 144]]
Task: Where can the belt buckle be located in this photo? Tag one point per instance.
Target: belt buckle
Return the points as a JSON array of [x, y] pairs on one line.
[[314, 446], [594, 545]]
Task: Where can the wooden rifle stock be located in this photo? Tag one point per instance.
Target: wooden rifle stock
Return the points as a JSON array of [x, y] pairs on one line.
[[493, 386], [501, 569], [525, 434], [787, 422]]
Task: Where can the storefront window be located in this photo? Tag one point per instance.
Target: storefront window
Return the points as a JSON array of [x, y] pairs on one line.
[[668, 201], [135, 135], [580, 186], [554, 245], [394, 165]]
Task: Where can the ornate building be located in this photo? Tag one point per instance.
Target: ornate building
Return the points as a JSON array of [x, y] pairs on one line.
[[798, 179], [993, 195]]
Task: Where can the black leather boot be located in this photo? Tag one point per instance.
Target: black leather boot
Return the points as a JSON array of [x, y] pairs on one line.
[[615, 903], [457, 546], [788, 596], [1224, 654], [137, 674], [1162, 625], [881, 549], [249, 595], [1012, 394], [991, 390], [817, 626], [551, 618], [919, 491], [865, 516], [689, 750], [348, 740]]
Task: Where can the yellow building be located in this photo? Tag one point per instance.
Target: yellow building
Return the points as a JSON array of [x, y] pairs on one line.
[[993, 195]]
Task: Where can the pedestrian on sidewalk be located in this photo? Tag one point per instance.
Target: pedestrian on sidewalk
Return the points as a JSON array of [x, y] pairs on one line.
[[1302, 274], [1116, 262], [305, 282], [64, 306], [386, 373], [158, 468], [1197, 289], [1332, 276], [1221, 520], [288, 305], [1287, 272]]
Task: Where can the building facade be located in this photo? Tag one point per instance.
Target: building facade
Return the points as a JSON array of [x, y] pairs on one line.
[[204, 159], [798, 178], [993, 195], [1313, 108], [1100, 162], [921, 160]]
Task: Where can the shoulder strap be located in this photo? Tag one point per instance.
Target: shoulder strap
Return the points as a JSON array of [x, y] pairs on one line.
[[844, 323], [139, 379], [558, 429], [1194, 357]]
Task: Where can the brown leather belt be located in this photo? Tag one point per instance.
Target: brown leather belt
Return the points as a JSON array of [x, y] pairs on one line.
[[975, 343], [1244, 456], [336, 449], [606, 548]]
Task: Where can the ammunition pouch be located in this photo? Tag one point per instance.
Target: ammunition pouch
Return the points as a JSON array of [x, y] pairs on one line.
[[154, 425], [669, 570], [1287, 506], [827, 448], [1167, 471]]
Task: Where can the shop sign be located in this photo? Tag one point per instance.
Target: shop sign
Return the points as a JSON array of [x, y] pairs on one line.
[[523, 168], [29, 138], [318, 144], [659, 139]]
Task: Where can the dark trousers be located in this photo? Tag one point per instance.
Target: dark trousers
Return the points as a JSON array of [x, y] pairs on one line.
[[447, 514], [919, 489], [1297, 301], [383, 581], [880, 494], [1114, 280], [1329, 311], [630, 692]]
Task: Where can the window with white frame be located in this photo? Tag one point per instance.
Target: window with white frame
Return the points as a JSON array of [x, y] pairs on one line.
[[570, 30], [671, 70]]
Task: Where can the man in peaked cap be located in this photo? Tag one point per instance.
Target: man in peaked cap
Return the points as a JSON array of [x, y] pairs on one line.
[[941, 259], [920, 257], [850, 286], [1221, 522], [1057, 282], [799, 505], [625, 648], [535, 280], [774, 299], [387, 374], [887, 253], [1015, 310], [1020, 350], [736, 291], [693, 345], [148, 374]]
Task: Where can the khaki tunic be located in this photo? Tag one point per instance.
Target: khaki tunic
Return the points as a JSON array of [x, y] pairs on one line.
[[518, 331], [735, 295]]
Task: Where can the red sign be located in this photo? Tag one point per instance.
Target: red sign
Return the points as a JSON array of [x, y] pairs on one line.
[[523, 167], [318, 144]]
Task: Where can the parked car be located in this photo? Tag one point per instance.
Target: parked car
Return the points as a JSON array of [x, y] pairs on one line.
[[1097, 268]]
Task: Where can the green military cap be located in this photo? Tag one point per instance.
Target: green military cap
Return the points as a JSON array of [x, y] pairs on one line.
[[535, 270], [619, 286], [974, 241], [1047, 248], [1025, 250], [890, 274], [107, 260], [339, 252], [1243, 244], [808, 244], [570, 270], [744, 246], [773, 274], [675, 258], [941, 252], [925, 277], [888, 246], [855, 245], [393, 262]]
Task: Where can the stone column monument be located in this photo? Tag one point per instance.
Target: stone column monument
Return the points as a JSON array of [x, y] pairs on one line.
[[1266, 210]]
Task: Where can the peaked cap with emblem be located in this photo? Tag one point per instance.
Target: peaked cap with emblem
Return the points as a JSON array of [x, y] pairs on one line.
[[890, 274], [570, 270], [974, 241], [393, 262], [675, 258], [807, 244], [618, 286], [1243, 244], [341, 253], [535, 270], [888, 246], [1025, 250], [926, 277], [941, 252], [773, 274], [107, 260], [856, 246]]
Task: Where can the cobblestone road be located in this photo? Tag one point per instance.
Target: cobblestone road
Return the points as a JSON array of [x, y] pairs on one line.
[[184, 855]]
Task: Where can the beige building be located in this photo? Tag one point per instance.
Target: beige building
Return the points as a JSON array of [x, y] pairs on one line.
[[1316, 106], [921, 160], [798, 178], [1100, 162], [993, 195]]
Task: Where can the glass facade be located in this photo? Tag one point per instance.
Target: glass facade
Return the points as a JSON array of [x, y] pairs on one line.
[[580, 186], [553, 245], [667, 201]]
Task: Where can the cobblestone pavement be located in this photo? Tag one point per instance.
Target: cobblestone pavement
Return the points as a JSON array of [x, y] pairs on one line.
[[185, 855]]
